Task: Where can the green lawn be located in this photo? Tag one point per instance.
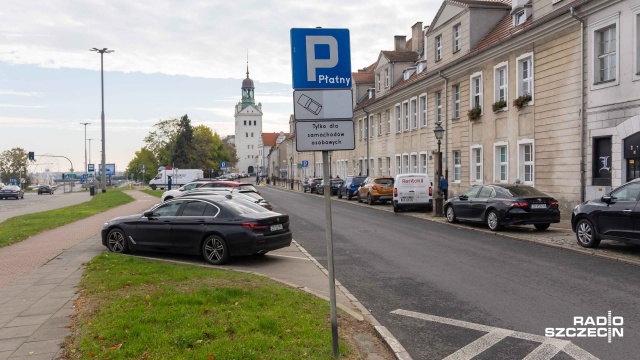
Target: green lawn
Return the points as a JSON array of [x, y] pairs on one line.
[[21, 227], [156, 193], [134, 308]]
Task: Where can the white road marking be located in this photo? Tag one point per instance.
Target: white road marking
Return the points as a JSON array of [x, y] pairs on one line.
[[292, 257], [548, 348]]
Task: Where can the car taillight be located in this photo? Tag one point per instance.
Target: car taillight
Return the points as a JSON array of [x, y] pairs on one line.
[[374, 188], [395, 192], [254, 226], [351, 185], [516, 204], [430, 191], [553, 203]]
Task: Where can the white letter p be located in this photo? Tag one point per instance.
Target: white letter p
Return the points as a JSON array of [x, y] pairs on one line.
[[312, 62]]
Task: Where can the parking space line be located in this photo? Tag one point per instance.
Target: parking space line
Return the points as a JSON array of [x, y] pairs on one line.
[[548, 348]]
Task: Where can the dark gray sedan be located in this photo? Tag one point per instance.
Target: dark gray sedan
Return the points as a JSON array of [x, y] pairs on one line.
[[11, 191]]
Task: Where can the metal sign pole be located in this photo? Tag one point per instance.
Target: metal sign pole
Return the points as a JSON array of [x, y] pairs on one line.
[[329, 238]]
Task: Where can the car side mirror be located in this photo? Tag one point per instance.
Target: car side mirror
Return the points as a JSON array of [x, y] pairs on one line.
[[148, 213], [463, 197], [606, 198]]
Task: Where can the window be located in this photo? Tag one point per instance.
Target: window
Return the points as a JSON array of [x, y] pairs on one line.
[[519, 18], [606, 63], [388, 114], [398, 119], [423, 163], [245, 122], [456, 101], [476, 90], [414, 113], [524, 81], [380, 167], [378, 82], [405, 163], [414, 163], [526, 157], [246, 134], [501, 82], [194, 208], [457, 38], [476, 164], [438, 107], [398, 168], [168, 209], [405, 115], [423, 110], [457, 166], [251, 134], [360, 130], [501, 163], [636, 41], [386, 78], [438, 47], [371, 169], [379, 124], [255, 122], [388, 166], [371, 126]]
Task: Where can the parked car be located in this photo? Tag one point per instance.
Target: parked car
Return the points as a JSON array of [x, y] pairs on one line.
[[350, 186], [11, 191], [1, 185], [614, 216], [500, 205], [214, 226], [376, 188], [335, 186], [45, 189], [311, 185], [170, 194], [412, 191], [231, 184]]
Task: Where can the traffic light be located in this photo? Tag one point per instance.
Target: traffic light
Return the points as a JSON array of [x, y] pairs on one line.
[[31, 156]]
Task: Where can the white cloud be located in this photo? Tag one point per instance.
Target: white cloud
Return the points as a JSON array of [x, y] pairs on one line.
[[19, 122], [18, 93], [22, 106]]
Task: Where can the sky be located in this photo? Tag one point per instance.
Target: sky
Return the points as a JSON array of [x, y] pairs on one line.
[[170, 58]]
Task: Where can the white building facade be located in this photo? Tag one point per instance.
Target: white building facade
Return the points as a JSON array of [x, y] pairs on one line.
[[248, 135]]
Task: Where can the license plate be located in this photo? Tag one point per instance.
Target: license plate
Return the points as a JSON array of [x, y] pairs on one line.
[[406, 198], [276, 227], [386, 187], [538, 206]]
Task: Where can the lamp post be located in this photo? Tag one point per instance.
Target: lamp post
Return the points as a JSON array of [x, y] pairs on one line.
[[103, 177], [439, 133], [291, 176], [85, 145]]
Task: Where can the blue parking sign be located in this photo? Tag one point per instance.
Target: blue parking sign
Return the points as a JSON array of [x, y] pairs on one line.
[[321, 58], [305, 163], [223, 164]]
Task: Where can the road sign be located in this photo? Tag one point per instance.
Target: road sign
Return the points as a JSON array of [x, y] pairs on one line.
[[314, 105], [321, 58], [84, 176], [111, 169], [223, 164], [305, 163], [91, 168], [325, 135], [12, 180]]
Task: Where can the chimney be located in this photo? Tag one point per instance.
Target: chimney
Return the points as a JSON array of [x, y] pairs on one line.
[[401, 43], [416, 37]]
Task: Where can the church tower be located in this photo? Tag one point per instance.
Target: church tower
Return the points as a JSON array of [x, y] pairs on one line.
[[248, 118]]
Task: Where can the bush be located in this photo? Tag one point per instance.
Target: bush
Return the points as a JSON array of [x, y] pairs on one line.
[[522, 101], [474, 113], [499, 105]]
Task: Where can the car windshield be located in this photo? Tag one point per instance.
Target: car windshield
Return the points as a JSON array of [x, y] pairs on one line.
[[521, 190], [11, 187], [336, 182], [386, 181]]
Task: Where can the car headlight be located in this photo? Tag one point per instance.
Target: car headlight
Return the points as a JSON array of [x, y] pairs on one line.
[[576, 207], [106, 225]]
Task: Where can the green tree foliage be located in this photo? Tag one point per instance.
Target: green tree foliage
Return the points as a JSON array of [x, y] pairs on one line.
[[231, 150], [161, 140], [143, 157], [183, 152], [13, 164]]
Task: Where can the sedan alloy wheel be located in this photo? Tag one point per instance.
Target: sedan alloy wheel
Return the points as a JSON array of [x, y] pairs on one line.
[[451, 214], [493, 222], [215, 250], [586, 234], [117, 241]]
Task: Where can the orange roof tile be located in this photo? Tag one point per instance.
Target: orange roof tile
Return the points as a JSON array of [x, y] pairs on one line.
[[400, 56], [269, 139], [363, 77]]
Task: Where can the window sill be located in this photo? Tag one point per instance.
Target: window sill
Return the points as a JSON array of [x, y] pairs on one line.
[[456, 51], [455, 118], [604, 82], [506, 108], [438, 60]]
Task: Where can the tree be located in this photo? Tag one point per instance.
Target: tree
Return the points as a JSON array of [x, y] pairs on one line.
[[161, 141], [13, 164], [231, 150], [183, 154], [143, 157]]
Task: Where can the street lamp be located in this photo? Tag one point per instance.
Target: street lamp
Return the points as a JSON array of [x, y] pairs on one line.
[[439, 133], [291, 162], [85, 145], [103, 178]]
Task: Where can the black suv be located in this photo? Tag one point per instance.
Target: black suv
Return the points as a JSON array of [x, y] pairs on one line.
[[614, 216]]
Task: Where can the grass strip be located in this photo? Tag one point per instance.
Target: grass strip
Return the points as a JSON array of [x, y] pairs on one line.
[[21, 227], [155, 193], [133, 308]]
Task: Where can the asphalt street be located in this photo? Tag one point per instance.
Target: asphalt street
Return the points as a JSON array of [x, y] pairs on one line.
[[449, 292]]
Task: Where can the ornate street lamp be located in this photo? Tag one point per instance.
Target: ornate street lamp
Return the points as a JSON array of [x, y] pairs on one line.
[[439, 133]]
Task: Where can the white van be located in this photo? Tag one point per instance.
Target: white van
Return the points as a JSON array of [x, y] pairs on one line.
[[413, 190]]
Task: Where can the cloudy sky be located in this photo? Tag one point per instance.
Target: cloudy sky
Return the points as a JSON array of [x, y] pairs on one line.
[[171, 58]]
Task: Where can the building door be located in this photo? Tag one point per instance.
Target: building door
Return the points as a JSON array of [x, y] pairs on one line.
[[250, 170], [632, 156]]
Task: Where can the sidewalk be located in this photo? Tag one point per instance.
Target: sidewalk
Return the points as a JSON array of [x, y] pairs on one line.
[[39, 278]]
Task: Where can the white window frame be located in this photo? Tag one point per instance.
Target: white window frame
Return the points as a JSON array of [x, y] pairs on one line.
[[438, 44], [519, 17], [457, 167], [612, 20], [379, 124], [398, 164], [424, 166], [423, 109], [413, 108], [398, 113], [405, 163], [388, 165], [371, 166], [405, 116], [496, 83], [413, 162], [371, 126], [474, 164], [455, 93], [635, 11], [519, 80], [388, 113], [457, 37], [378, 82], [498, 163], [472, 91], [386, 78], [360, 130], [380, 167], [522, 163], [438, 100]]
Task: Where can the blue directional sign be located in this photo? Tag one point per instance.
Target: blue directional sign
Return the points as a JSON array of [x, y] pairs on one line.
[[84, 176], [91, 168], [321, 58], [13, 181], [305, 163], [223, 164]]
